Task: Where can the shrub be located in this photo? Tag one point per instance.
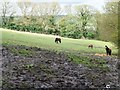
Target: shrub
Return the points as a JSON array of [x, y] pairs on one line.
[[90, 35]]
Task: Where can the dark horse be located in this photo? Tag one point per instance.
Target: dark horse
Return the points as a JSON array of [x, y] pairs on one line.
[[108, 50], [58, 40], [90, 46]]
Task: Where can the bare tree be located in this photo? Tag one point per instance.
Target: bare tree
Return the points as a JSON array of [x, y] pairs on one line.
[[68, 9], [25, 7], [47, 11], [54, 9], [46, 8], [7, 11]]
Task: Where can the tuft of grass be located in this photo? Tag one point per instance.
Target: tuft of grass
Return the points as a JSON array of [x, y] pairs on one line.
[[22, 52], [89, 62], [29, 66]]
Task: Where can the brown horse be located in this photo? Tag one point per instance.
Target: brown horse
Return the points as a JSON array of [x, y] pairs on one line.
[[90, 46], [57, 40]]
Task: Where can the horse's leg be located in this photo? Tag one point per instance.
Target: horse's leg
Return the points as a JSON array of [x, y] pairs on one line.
[[109, 52], [92, 47], [56, 40], [60, 40]]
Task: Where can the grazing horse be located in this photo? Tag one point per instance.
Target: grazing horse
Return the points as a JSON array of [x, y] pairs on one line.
[[90, 46], [57, 40], [108, 50]]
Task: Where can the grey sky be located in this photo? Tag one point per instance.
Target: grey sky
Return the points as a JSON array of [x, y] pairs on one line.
[[96, 3]]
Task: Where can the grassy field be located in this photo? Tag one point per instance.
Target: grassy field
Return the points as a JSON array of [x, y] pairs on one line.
[[47, 42]]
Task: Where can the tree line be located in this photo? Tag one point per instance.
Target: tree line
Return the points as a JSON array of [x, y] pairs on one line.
[[78, 21]]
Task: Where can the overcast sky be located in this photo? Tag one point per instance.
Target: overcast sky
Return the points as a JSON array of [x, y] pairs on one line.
[[96, 3]]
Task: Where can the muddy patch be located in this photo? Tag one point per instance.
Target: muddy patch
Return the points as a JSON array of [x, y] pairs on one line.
[[32, 67]]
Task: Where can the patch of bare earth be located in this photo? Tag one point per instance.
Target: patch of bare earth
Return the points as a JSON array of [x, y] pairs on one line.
[[31, 67]]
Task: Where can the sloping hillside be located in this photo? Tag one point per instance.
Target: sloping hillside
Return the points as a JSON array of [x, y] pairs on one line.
[[47, 42], [31, 60]]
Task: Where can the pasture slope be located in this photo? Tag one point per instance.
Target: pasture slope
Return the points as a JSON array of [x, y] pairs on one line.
[[31, 60], [47, 42]]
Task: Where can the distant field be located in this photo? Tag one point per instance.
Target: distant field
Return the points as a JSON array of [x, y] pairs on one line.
[[47, 42]]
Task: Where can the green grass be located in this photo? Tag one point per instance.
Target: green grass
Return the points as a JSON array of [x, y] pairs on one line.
[[89, 62], [71, 46], [22, 52], [47, 42]]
